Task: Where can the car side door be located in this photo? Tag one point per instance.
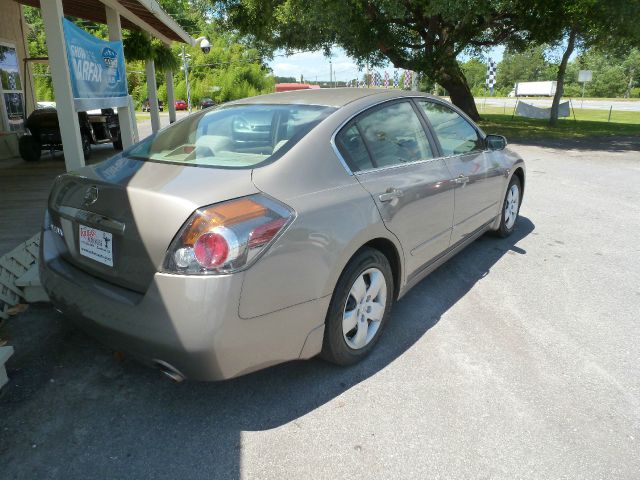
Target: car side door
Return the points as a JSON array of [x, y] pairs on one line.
[[392, 155], [477, 180]]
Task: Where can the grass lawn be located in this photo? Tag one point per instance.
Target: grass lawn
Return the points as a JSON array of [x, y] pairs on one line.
[[588, 123], [140, 116]]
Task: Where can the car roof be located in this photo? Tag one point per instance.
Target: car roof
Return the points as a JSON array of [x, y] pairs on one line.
[[333, 97]]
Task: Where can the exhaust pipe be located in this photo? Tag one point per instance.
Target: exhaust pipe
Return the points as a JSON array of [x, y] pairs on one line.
[[169, 370]]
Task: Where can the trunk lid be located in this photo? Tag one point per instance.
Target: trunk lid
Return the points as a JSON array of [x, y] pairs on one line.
[[116, 219]]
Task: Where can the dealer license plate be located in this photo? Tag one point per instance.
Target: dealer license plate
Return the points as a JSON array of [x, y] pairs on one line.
[[96, 245]]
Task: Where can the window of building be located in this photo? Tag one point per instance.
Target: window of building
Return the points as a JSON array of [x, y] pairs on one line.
[[11, 94]]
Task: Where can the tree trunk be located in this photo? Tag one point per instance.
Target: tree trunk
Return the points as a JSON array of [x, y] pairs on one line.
[[553, 118], [455, 83]]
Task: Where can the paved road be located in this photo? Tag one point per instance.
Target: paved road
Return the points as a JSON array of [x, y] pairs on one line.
[[520, 358], [630, 106]]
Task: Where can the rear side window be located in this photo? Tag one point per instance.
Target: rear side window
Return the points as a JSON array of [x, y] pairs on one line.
[[455, 134], [388, 136], [353, 149]]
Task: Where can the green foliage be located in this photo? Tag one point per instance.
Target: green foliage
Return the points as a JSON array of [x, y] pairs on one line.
[[613, 74], [231, 70], [475, 71], [529, 65], [285, 79]]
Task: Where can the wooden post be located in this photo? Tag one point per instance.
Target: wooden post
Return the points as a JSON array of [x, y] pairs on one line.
[[52, 15], [171, 98], [127, 121], [152, 95]]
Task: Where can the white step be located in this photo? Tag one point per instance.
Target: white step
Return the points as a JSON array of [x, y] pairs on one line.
[[5, 353], [31, 287]]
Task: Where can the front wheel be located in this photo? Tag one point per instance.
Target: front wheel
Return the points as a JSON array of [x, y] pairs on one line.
[[359, 308], [117, 143], [510, 208], [86, 145]]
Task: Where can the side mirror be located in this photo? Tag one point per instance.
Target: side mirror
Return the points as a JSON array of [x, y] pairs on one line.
[[495, 142]]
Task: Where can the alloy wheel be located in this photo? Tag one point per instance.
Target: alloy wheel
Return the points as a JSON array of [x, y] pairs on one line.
[[511, 206], [364, 308]]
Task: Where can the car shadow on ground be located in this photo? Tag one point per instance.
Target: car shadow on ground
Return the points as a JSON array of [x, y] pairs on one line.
[[73, 410]]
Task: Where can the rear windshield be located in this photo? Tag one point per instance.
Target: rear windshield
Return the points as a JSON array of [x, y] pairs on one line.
[[235, 136]]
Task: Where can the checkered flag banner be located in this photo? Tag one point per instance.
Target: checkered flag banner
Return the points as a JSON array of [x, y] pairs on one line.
[[386, 79], [407, 79], [491, 74], [396, 78], [377, 79]]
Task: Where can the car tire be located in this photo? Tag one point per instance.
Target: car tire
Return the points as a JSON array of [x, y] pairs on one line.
[[86, 145], [29, 148], [510, 208], [359, 301], [117, 144]]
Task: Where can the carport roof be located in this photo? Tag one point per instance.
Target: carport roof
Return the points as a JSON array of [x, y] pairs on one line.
[[135, 14]]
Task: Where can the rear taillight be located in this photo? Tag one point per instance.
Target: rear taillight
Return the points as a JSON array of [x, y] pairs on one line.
[[228, 236]]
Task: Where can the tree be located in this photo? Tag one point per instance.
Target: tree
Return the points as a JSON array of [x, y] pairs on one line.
[[529, 65], [631, 66], [607, 24], [424, 36], [475, 73]]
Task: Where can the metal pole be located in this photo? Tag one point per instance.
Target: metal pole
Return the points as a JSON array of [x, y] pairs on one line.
[[186, 78], [610, 108], [330, 73]]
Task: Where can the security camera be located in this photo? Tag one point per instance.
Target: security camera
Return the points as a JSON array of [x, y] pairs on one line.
[[205, 46]]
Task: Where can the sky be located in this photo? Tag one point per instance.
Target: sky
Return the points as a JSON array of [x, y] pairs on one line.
[[314, 66]]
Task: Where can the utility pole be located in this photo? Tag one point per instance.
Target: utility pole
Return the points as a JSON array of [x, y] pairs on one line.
[[330, 73]]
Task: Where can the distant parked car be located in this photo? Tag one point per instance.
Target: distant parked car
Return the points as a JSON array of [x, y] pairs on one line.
[[206, 103], [96, 126], [147, 108], [180, 105]]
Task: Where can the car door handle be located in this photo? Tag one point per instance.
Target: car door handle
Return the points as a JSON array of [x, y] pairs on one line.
[[390, 194], [461, 179]]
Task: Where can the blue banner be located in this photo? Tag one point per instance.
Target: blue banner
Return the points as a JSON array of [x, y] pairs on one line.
[[96, 66]]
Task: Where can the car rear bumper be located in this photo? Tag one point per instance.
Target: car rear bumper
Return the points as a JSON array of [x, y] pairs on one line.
[[188, 322]]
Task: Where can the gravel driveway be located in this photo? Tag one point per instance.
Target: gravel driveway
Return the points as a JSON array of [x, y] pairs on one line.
[[519, 358]]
